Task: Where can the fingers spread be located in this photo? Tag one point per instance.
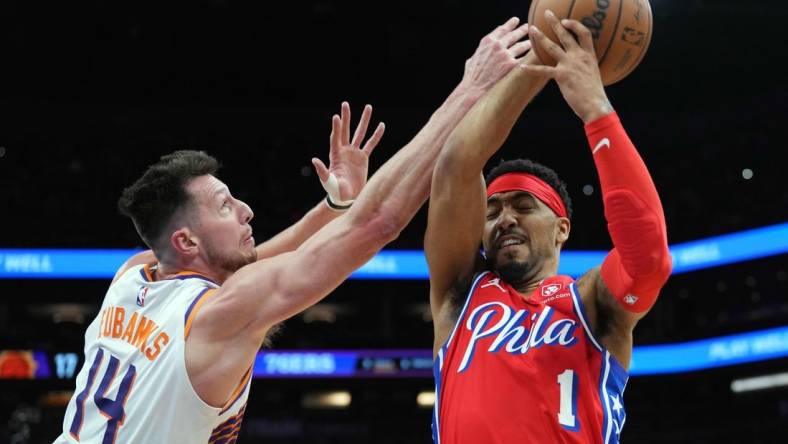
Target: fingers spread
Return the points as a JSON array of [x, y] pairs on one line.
[[320, 168], [361, 129], [373, 141], [505, 28], [336, 131], [345, 123], [520, 48], [513, 37]]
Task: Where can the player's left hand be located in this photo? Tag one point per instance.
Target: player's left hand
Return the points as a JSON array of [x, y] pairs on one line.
[[577, 70], [348, 160], [497, 54]]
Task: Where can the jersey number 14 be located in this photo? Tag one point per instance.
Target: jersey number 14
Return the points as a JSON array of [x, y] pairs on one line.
[[112, 409]]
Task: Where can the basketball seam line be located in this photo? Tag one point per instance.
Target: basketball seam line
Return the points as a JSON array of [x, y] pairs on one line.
[[615, 31]]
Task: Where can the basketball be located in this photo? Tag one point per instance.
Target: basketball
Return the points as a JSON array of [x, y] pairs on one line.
[[621, 30]]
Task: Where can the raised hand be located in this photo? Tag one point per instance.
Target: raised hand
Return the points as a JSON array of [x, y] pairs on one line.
[[497, 53], [348, 160], [577, 71]]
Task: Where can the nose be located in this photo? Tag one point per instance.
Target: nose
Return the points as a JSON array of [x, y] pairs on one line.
[[246, 213], [506, 220]]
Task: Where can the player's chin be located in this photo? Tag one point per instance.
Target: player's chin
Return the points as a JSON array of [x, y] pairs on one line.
[[513, 272], [514, 253], [252, 258], [249, 256], [241, 260]]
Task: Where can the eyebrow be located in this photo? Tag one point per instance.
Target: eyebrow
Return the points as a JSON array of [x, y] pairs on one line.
[[518, 195], [222, 190]]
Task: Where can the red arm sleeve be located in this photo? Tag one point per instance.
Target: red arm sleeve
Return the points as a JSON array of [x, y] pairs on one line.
[[640, 263]]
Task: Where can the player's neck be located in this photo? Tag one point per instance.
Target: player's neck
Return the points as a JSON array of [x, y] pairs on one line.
[[526, 288], [531, 283], [166, 270]]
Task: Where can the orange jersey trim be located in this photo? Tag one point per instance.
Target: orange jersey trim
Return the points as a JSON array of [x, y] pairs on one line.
[[147, 274], [238, 390], [199, 301]]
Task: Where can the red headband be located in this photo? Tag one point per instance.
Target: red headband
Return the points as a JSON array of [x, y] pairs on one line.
[[531, 184]]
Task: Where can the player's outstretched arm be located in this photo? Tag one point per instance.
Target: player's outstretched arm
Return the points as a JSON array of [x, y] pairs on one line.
[[457, 201], [629, 280], [230, 327], [348, 164]]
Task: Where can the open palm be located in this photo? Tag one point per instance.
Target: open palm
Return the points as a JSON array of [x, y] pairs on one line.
[[348, 160]]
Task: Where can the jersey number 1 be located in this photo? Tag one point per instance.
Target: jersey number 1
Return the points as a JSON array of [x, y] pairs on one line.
[[568, 402], [111, 409]]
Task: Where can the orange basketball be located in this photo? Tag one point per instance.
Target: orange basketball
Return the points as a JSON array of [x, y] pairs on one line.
[[621, 31]]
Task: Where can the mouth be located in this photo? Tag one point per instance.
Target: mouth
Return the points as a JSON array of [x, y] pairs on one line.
[[508, 241], [248, 240]]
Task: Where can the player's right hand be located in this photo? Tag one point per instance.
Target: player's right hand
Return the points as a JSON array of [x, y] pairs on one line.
[[498, 52], [348, 159], [577, 71]]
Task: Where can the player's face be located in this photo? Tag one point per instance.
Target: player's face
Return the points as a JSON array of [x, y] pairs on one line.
[[520, 235], [222, 225]]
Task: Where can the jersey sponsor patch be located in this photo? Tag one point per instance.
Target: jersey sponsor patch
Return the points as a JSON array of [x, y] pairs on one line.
[[549, 290]]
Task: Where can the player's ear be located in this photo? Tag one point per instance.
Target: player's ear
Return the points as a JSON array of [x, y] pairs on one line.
[[562, 228], [184, 242]]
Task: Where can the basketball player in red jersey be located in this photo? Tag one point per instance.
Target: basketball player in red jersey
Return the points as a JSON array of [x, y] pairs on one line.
[[523, 355], [169, 359]]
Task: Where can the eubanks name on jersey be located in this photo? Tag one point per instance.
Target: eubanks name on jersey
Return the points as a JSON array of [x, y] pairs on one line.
[[134, 387]]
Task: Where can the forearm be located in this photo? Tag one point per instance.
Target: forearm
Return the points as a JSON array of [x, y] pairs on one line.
[[402, 184], [387, 202], [295, 235], [640, 262], [619, 164], [487, 125]]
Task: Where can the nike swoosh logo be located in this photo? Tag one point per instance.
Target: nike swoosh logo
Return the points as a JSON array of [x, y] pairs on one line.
[[604, 143]]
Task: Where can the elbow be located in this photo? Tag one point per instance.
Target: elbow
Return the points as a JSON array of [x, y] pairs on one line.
[[652, 269], [381, 227], [388, 223], [446, 166], [457, 159], [654, 264], [664, 265]]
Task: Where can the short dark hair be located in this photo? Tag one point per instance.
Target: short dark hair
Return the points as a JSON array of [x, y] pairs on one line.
[[153, 200], [536, 169]]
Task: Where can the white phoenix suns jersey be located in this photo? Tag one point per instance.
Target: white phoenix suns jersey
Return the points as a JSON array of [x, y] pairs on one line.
[[133, 387]]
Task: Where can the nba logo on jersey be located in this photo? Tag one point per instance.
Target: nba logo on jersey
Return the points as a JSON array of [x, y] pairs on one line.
[[549, 290], [141, 296]]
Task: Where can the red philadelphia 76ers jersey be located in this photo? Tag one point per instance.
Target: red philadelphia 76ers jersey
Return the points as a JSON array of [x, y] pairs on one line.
[[521, 369]]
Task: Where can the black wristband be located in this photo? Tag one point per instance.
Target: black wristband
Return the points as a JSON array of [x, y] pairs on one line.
[[334, 206]]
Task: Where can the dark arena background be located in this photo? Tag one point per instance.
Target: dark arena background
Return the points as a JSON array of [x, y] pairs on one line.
[[92, 92]]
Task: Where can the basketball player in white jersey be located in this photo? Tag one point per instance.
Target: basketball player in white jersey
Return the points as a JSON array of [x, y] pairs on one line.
[[169, 358]]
